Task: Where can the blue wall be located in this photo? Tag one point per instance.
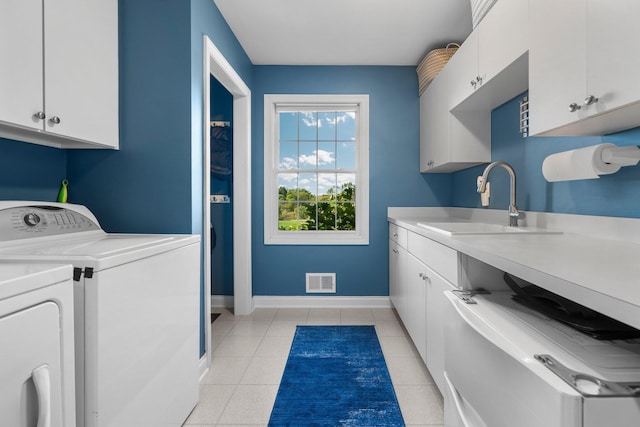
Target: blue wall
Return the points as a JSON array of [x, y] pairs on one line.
[[146, 185], [31, 172], [610, 195], [394, 176]]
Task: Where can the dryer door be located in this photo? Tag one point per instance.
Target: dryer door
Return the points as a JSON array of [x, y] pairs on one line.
[[493, 386], [30, 372]]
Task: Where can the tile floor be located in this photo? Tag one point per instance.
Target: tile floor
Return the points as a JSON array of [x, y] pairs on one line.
[[250, 353]]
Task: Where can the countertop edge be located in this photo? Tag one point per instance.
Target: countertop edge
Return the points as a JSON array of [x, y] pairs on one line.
[[607, 290]]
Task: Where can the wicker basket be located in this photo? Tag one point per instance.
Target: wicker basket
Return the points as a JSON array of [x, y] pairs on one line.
[[432, 63]]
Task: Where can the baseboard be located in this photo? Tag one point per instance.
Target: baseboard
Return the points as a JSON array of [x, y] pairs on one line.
[[311, 301], [321, 301], [204, 369], [222, 301]]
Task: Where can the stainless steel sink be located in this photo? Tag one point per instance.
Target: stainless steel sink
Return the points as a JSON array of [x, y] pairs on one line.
[[457, 228]]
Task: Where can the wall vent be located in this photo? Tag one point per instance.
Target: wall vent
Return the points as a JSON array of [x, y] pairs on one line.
[[321, 283]]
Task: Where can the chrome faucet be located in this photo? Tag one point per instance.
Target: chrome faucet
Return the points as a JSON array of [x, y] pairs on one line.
[[514, 213]]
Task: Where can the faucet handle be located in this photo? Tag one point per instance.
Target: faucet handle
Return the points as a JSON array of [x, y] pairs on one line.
[[479, 182], [484, 195]]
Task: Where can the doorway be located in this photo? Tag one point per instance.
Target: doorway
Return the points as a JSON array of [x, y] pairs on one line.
[[216, 66], [221, 185]]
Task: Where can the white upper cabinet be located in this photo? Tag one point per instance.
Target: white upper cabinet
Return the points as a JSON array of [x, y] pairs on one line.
[[435, 149], [462, 70], [21, 85], [584, 62], [497, 42], [503, 37], [489, 68], [61, 84]]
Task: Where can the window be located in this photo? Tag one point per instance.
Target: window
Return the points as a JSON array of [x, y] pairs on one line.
[[316, 170]]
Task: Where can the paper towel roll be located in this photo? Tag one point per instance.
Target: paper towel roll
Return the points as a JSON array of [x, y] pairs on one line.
[[583, 163]]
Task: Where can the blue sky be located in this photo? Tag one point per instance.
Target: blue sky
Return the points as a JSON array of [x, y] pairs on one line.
[[316, 140]]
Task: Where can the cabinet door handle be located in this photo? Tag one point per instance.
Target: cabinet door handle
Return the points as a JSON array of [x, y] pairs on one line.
[[573, 107], [40, 115], [395, 251], [42, 383], [55, 120], [590, 100], [479, 80], [395, 234], [473, 83]]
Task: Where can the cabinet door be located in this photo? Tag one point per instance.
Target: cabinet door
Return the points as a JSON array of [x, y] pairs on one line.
[[503, 37], [435, 147], [30, 339], [416, 308], [402, 287], [437, 303], [81, 69], [557, 62], [394, 265], [613, 54], [462, 70], [21, 53]]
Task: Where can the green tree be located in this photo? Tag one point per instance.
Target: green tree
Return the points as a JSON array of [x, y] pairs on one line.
[[332, 213]]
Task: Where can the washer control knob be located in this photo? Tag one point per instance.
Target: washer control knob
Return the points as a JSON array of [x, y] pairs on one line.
[[31, 219]]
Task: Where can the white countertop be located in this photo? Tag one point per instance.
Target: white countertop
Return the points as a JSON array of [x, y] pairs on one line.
[[600, 270]]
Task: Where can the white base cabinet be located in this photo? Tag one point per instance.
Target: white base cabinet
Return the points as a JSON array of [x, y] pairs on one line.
[[60, 87], [420, 270], [437, 303], [415, 318]]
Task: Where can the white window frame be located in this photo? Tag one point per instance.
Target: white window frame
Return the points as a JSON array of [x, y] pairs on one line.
[[273, 236]]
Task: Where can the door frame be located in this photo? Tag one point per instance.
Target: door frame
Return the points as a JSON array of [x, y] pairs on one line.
[[217, 66]]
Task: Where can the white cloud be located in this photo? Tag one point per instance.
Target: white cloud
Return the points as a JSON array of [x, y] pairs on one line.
[[288, 163], [287, 178], [342, 117], [309, 119], [323, 157], [344, 178]]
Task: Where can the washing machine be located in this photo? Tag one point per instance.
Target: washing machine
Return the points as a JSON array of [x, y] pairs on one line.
[[36, 346], [136, 311]]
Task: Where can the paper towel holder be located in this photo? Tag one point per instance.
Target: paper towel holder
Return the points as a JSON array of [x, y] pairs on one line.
[[589, 162], [623, 156]]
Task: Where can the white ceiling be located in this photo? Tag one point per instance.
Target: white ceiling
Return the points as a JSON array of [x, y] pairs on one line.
[[345, 32]]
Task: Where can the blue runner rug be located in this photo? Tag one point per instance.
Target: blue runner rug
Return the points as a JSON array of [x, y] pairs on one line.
[[336, 376]]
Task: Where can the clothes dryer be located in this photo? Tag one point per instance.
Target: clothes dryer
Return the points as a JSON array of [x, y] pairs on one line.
[[506, 364], [36, 346]]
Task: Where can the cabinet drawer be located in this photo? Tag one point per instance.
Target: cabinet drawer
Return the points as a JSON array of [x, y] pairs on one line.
[[442, 259], [398, 235]]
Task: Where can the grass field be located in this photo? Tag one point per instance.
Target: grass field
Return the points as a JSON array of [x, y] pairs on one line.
[[295, 224]]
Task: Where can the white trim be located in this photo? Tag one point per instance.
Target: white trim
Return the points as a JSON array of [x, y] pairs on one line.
[[321, 301], [203, 366], [271, 234], [216, 65]]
